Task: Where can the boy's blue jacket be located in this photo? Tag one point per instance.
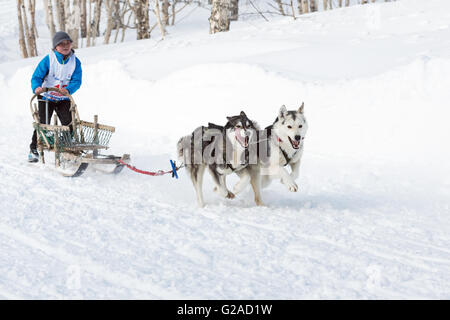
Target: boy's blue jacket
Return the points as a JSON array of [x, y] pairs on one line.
[[43, 67]]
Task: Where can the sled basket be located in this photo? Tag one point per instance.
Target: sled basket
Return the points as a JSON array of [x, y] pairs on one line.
[[89, 135], [86, 136]]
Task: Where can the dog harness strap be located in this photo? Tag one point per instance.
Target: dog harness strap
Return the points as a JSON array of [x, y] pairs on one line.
[[224, 149], [269, 135], [285, 157]]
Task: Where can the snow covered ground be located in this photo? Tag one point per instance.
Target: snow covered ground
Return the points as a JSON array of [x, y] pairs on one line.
[[371, 219]]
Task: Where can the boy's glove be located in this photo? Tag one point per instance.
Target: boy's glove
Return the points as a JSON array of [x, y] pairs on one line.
[[38, 90]]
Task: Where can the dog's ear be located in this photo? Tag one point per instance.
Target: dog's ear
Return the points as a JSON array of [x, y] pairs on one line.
[[283, 112], [242, 114], [229, 118], [302, 107]]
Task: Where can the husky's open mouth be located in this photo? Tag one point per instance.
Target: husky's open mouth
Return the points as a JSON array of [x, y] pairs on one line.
[[243, 140], [295, 144]]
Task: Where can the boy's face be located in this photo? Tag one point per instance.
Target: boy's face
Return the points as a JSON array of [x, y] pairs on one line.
[[64, 47]]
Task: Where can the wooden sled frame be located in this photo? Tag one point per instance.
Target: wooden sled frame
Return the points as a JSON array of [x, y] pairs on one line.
[[75, 145]]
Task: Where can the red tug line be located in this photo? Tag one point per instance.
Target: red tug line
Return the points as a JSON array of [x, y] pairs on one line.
[[150, 173]]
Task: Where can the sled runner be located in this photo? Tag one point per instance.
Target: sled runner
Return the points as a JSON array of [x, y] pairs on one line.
[[76, 145]]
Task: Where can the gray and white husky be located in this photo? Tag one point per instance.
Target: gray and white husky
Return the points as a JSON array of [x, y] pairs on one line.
[[285, 145], [280, 145], [223, 150]]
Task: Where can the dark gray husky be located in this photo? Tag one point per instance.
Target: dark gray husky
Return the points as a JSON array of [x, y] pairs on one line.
[[224, 150]]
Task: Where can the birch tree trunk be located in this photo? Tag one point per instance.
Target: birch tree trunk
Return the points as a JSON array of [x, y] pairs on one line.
[[93, 21], [83, 25], [140, 10], [66, 11], [120, 18], [73, 21], [31, 47], [89, 25], [158, 19], [364, 1], [124, 27], [347, 3], [25, 26], [22, 43], [97, 16], [165, 12], [60, 15], [280, 7], [303, 6], [219, 20], [49, 17], [234, 10], [109, 4], [32, 9], [340, 3], [76, 16], [312, 5], [173, 11], [116, 15], [292, 9], [33, 31]]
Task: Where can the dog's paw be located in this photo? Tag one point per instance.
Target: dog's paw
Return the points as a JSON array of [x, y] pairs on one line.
[[291, 185], [237, 188], [259, 203], [230, 195], [200, 204]]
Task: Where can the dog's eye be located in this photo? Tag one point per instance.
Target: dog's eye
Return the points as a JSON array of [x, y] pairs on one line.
[[238, 126], [289, 127], [300, 126]]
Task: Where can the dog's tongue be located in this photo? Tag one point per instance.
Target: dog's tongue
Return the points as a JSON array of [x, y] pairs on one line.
[[237, 133], [295, 143]]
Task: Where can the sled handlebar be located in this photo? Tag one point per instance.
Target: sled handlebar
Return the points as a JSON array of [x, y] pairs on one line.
[[68, 95], [57, 90]]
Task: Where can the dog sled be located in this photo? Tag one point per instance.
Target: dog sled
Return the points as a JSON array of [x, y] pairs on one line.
[[77, 145]]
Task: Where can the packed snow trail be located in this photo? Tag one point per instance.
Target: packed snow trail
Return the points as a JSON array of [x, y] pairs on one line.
[[371, 219]]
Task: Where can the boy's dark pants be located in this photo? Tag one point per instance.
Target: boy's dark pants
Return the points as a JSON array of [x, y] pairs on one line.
[[62, 109]]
